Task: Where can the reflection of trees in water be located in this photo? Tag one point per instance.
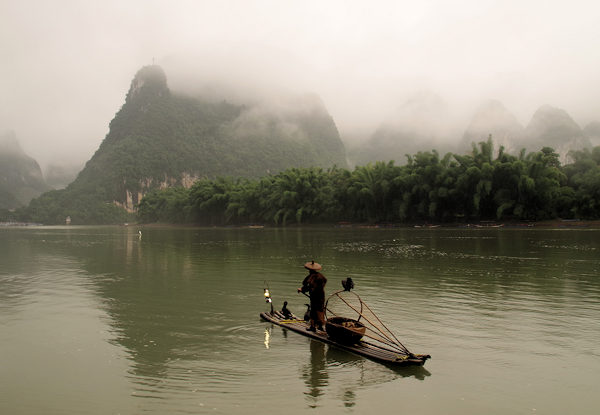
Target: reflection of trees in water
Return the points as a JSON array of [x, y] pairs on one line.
[[329, 366], [150, 289]]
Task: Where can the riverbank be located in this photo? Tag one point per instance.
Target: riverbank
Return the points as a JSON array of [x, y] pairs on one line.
[[549, 224]]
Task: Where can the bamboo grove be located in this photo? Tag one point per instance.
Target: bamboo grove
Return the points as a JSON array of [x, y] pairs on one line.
[[453, 188]]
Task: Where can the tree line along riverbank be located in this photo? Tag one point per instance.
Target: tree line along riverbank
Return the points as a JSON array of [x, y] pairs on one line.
[[429, 188]]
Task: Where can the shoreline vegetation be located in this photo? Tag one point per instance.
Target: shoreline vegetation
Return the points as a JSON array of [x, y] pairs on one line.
[[476, 189], [546, 224]]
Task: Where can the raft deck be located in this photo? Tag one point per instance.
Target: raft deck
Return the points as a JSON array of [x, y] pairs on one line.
[[363, 348]]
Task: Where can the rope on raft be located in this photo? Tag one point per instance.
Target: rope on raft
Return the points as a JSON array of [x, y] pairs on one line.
[[384, 335]]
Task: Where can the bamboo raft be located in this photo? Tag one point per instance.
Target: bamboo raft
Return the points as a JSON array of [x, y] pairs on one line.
[[371, 350]]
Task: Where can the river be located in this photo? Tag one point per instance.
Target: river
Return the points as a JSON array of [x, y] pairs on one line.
[[108, 320]]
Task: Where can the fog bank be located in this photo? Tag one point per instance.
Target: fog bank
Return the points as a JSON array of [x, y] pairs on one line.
[[67, 65]]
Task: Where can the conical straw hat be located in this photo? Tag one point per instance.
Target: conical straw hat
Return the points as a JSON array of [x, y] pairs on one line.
[[312, 265]]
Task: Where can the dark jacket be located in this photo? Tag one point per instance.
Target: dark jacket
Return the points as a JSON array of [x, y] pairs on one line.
[[314, 285]]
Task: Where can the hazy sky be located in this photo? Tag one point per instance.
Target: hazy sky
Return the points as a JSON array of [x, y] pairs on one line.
[[67, 65]]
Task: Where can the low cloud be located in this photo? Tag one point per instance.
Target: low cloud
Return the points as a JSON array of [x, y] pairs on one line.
[[67, 66]]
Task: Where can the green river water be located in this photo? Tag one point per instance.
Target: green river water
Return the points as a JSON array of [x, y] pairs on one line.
[[103, 320]]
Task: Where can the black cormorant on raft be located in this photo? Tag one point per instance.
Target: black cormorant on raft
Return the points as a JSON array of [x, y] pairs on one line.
[[350, 325]]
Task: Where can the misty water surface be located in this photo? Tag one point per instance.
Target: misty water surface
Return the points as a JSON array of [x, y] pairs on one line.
[[98, 320]]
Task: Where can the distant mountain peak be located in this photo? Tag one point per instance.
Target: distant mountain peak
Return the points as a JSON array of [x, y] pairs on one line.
[[548, 118], [493, 114], [554, 127], [493, 118], [149, 80], [20, 175]]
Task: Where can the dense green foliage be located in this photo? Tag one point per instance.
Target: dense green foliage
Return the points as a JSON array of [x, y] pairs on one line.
[[477, 186], [583, 191], [54, 206]]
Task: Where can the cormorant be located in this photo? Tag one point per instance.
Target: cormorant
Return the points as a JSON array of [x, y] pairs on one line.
[[348, 284], [287, 313]]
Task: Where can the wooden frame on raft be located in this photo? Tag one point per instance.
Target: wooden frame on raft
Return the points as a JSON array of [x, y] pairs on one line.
[[363, 348]]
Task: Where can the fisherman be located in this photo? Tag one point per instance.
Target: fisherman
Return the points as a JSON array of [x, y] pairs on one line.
[[314, 285]]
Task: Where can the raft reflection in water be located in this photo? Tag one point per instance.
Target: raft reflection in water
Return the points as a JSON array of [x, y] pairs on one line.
[[344, 374]]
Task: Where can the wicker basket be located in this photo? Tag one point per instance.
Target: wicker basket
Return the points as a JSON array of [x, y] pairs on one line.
[[344, 330]]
